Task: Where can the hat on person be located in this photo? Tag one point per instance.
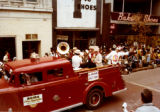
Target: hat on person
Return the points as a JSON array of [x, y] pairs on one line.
[[91, 47], [96, 48], [86, 51], [119, 48], [74, 48], [77, 52]]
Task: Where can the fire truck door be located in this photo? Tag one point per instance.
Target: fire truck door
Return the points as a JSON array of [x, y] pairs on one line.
[[63, 91], [31, 94]]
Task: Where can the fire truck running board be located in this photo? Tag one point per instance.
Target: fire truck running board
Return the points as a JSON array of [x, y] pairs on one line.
[[116, 92], [68, 107]]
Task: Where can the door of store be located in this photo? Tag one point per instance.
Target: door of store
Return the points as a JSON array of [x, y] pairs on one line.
[[29, 47], [7, 44]]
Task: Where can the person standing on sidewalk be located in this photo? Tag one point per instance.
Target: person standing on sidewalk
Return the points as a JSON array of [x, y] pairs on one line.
[[6, 57]]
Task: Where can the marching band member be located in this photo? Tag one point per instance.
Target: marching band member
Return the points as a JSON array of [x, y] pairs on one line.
[[98, 57], [76, 60], [85, 58], [91, 57], [91, 52], [115, 54], [112, 57]]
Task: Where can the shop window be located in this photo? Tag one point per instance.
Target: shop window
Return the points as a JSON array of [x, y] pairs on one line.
[[30, 78], [54, 73]]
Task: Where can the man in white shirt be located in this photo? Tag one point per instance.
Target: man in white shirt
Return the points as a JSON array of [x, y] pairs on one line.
[[98, 57], [146, 97], [112, 57], [76, 60]]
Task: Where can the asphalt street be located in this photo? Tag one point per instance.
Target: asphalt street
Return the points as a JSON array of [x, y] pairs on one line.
[[135, 83]]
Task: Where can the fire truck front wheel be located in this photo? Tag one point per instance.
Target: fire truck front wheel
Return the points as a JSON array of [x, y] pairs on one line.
[[94, 98]]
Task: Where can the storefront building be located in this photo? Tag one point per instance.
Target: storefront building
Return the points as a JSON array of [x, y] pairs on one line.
[[77, 22], [25, 26], [124, 15], [133, 27]]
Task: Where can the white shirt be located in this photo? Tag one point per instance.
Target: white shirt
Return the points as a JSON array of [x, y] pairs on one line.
[[147, 107], [5, 58], [98, 60], [76, 62], [112, 57], [122, 53]]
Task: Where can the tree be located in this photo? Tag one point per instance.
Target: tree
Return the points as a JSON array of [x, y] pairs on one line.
[[140, 26]]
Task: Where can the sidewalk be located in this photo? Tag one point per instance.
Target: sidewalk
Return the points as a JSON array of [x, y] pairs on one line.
[[140, 69], [144, 68]]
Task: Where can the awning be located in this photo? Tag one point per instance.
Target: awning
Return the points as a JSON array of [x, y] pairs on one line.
[[77, 28]]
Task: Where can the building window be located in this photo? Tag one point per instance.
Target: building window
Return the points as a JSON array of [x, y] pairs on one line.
[[118, 5], [140, 6], [132, 6], [31, 36]]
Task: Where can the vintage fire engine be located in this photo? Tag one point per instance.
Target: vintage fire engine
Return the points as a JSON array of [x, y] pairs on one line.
[[50, 84]]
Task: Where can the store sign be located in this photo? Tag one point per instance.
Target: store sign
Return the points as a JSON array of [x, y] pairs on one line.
[[87, 6], [130, 17], [76, 14], [62, 37], [149, 18]]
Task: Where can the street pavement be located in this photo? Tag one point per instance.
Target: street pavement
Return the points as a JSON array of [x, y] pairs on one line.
[[135, 83]]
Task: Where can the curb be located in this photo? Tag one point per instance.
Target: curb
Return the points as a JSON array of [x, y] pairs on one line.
[[144, 68], [140, 69]]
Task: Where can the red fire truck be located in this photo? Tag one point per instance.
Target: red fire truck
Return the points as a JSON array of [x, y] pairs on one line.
[[50, 84]]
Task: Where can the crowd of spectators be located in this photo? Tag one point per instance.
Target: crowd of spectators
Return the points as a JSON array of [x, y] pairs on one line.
[[139, 56]]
